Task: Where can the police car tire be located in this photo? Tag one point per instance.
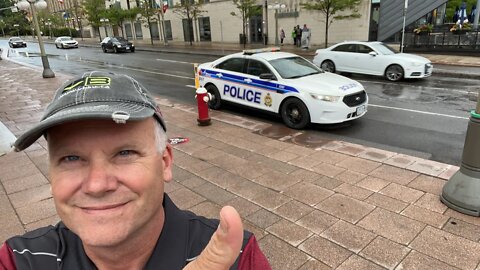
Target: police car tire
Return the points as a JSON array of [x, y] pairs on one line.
[[302, 109], [216, 101]]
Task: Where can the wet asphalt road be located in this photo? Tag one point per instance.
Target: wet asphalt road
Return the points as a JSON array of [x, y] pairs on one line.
[[424, 118]]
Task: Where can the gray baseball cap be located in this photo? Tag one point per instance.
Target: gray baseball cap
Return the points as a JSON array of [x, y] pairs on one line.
[[95, 95]]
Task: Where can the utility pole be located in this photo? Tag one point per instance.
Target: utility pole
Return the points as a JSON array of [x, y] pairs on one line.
[[403, 28], [162, 19]]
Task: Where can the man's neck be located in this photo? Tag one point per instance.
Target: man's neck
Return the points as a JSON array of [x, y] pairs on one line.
[[131, 254]]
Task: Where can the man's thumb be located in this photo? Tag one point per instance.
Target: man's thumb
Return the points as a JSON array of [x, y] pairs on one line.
[[225, 244]]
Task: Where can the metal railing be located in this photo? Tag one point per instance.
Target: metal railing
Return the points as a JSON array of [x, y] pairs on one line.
[[443, 41]]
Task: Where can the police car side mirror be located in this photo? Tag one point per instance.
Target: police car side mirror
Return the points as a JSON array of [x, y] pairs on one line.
[[267, 76], [373, 53]]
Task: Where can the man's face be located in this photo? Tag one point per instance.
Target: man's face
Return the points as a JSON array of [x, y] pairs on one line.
[[108, 179]]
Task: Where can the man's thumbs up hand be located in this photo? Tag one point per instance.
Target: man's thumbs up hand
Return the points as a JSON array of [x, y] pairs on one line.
[[224, 246]]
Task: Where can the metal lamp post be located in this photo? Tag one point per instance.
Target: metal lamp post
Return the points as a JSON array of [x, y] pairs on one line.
[[403, 28], [32, 4], [276, 7], [49, 24], [18, 30], [1, 25], [105, 21]]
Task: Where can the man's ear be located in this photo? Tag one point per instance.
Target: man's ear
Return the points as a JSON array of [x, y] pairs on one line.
[[167, 163]]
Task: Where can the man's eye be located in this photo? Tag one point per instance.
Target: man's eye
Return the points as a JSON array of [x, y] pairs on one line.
[[125, 152], [70, 158]]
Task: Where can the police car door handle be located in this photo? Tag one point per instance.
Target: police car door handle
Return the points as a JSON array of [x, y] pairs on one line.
[[219, 75], [247, 80]]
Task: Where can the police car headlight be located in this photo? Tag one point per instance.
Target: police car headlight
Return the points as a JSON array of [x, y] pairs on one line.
[[417, 64], [119, 46], [325, 97]]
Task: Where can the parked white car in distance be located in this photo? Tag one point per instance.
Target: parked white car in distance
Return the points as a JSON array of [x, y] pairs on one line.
[[372, 58], [66, 42]]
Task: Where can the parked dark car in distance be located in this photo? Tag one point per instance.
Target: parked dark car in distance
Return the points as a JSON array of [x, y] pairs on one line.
[[117, 44], [16, 42]]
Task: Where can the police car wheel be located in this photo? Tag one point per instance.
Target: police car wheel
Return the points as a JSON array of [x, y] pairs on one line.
[[295, 114], [216, 102]]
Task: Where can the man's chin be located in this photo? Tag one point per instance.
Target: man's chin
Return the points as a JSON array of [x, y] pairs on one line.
[[102, 238]]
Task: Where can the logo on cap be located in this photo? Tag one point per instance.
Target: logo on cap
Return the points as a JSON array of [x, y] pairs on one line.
[[88, 82]]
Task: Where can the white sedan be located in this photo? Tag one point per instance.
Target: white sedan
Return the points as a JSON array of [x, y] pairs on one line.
[[66, 42], [283, 83], [372, 58]]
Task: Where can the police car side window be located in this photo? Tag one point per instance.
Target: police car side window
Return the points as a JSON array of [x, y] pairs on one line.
[[256, 68], [232, 64]]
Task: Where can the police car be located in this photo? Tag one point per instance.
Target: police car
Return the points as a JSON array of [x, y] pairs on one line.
[[283, 83]]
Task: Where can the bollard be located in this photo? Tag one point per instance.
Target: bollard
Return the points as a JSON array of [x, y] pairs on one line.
[[462, 191], [197, 79], [202, 101]]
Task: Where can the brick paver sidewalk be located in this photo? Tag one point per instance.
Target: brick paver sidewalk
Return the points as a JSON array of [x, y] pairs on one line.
[[340, 206]]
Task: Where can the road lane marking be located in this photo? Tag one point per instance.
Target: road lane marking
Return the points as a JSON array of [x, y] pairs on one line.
[[158, 73], [191, 86], [423, 86], [416, 111], [174, 61]]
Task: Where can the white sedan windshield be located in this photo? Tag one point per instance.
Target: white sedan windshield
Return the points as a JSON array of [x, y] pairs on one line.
[[294, 67], [384, 49]]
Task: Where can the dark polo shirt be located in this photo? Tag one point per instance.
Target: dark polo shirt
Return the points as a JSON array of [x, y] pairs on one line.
[[184, 236]]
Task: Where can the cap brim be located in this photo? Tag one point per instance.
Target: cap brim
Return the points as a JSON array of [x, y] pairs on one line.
[[86, 111]]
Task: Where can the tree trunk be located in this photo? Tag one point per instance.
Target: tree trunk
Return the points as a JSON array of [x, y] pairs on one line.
[[99, 35], [326, 30], [150, 30]]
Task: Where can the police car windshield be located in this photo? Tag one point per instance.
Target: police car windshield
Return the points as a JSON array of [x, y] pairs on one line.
[[294, 67]]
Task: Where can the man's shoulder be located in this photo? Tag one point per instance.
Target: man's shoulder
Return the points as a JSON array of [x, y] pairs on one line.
[[38, 236]]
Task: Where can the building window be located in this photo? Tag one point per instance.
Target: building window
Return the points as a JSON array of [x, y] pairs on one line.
[[138, 30], [187, 30], [168, 30], [204, 28], [128, 31]]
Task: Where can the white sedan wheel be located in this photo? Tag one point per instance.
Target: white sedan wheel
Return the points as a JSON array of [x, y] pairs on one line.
[[394, 73]]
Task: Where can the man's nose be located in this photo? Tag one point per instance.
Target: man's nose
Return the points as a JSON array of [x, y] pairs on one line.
[[99, 178]]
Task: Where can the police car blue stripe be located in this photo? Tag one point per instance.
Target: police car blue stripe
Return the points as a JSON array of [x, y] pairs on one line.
[[279, 88]]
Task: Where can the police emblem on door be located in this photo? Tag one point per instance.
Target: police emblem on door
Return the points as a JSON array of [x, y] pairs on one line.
[[268, 100]]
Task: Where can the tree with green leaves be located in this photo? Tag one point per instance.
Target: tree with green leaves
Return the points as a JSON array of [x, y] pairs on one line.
[[9, 19], [131, 16], [148, 10], [346, 9], [190, 10], [94, 10], [116, 15], [247, 9], [453, 5]]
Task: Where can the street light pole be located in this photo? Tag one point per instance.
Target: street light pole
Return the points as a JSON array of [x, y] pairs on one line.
[[403, 28], [47, 72]]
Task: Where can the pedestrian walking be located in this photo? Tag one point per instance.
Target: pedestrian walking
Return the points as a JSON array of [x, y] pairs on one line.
[[294, 36], [305, 37], [298, 35], [282, 36]]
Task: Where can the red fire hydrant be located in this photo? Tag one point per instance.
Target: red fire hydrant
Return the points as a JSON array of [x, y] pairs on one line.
[[202, 101]]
